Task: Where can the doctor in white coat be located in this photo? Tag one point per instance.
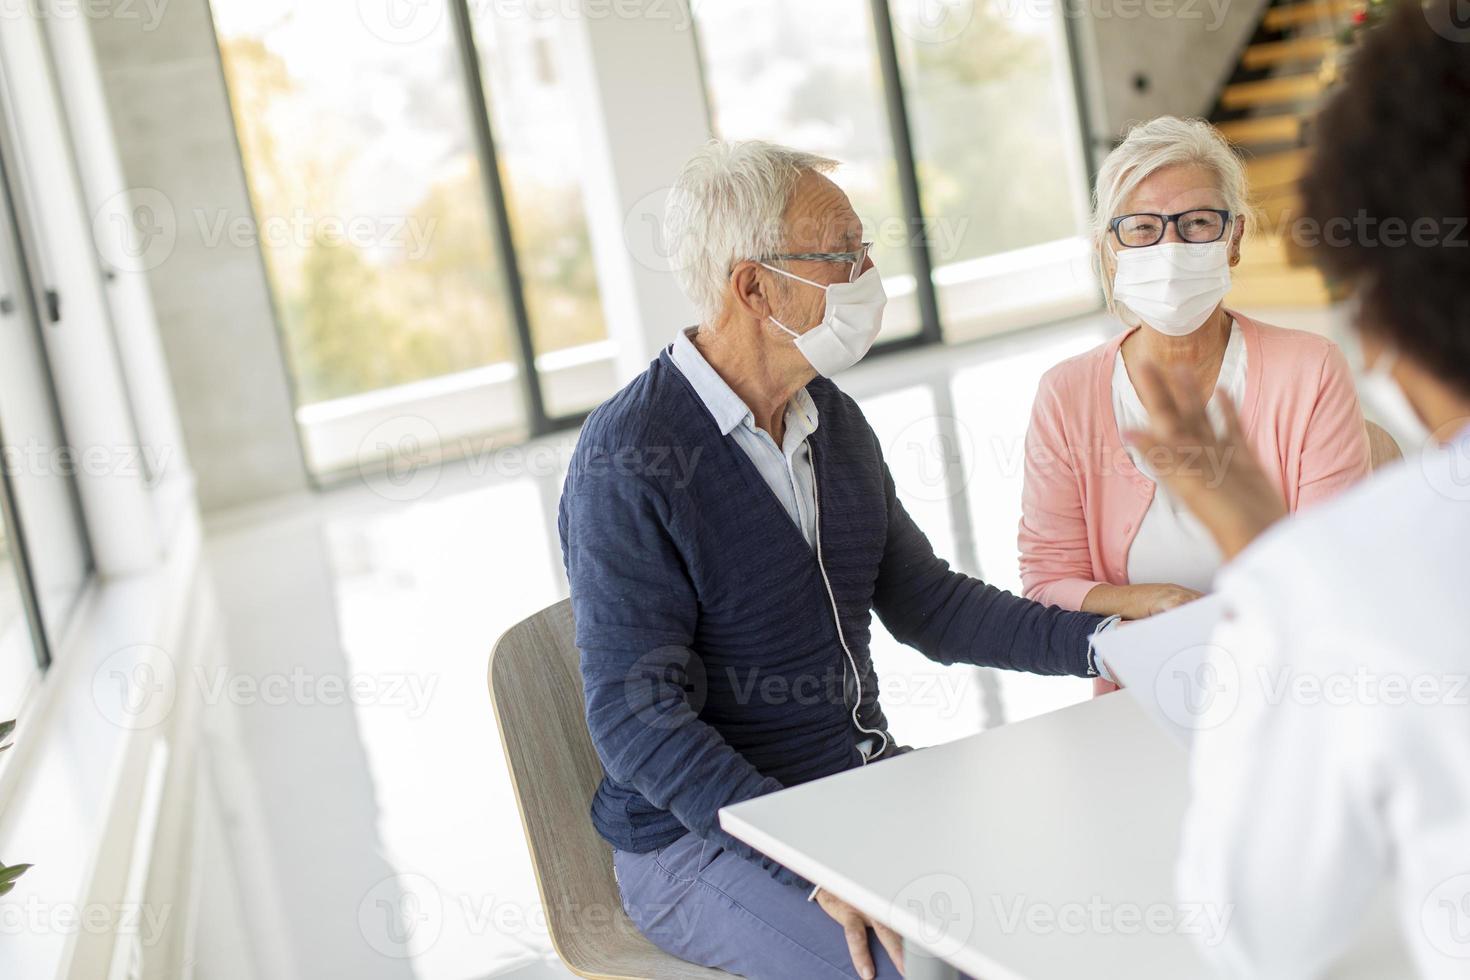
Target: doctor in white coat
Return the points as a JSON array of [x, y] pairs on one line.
[[1333, 761]]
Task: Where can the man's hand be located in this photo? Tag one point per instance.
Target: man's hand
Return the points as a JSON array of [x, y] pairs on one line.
[[855, 926], [1216, 476]]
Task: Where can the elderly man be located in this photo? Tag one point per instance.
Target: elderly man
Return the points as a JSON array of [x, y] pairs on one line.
[[723, 604]]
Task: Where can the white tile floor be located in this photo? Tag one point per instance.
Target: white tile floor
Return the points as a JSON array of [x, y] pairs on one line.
[[402, 588]]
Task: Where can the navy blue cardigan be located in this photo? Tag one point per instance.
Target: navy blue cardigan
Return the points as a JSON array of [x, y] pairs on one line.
[[710, 660]]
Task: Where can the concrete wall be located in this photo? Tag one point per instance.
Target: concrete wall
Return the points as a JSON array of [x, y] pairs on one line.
[[627, 180], [176, 142], [1146, 58]]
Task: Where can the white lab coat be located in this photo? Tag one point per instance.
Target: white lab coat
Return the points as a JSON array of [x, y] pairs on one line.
[[1344, 766]]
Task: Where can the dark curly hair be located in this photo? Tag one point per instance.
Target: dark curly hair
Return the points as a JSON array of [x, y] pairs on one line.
[[1387, 192]]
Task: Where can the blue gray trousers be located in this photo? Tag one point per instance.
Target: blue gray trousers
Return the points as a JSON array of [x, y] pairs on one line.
[[706, 905]]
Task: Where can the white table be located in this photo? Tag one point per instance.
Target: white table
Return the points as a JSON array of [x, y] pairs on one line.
[[1041, 849]]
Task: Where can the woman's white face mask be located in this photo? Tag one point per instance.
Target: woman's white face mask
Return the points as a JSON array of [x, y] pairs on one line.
[[1173, 287], [850, 322]]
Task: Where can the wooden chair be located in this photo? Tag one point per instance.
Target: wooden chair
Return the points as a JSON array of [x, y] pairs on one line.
[[536, 689], [1382, 448]]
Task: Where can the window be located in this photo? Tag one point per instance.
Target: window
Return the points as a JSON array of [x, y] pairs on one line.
[[522, 62], [999, 158], [17, 651], [37, 485], [378, 190], [979, 94], [807, 75], [368, 205]]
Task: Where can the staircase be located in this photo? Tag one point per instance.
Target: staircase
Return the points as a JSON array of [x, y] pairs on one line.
[[1264, 109]]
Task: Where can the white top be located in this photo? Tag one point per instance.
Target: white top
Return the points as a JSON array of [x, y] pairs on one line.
[[1171, 545], [1014, 856], [787, 469], [1344, 763]]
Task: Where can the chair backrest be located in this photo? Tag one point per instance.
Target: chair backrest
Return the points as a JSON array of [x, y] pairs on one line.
[[536, 689], [1382, 448]]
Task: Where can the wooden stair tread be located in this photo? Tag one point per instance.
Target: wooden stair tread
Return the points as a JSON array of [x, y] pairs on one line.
[[1272, 91], [1276, 209], [1307, 12], [1275, 169], [1276, 212], [1272, 271], [1285, 128], [1272, 53], [1268, 250], [1290, 287]]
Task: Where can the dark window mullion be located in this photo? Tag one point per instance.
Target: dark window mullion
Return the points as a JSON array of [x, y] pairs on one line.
[[1078, 81], [536, 418], [24, 307], [908, 179], [21, 565], [28, 308]]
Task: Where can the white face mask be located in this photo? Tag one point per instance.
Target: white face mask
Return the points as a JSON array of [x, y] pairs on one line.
[[850, 322], [1383, 398], [1173, 287]]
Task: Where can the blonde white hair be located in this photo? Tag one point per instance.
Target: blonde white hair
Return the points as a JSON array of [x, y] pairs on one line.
[[726, 207], [1149, 147]]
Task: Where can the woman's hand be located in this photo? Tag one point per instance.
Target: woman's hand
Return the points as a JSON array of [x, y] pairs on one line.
[[1150, 600], [855, 926], [1216, 476], [1136, 601]]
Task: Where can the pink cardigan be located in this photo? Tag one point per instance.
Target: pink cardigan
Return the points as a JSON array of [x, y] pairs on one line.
[[1084, 499]]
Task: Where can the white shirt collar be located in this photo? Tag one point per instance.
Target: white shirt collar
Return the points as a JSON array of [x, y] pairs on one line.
[[727, 407]]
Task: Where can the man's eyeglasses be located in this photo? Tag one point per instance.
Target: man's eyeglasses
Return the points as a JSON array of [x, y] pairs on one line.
[[857, 259], [1199, 226]]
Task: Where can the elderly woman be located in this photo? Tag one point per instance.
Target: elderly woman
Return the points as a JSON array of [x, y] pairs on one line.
[[1097, 531]]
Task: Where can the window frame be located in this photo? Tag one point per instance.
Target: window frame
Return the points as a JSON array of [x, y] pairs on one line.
[[33, 302], [895, 106], [538, 419]]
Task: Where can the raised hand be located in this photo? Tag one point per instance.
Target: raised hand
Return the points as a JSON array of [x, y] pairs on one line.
[[1214, 474]]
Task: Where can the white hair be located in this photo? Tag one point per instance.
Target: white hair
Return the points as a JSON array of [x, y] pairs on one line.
[[1149, 147], [727, 207]]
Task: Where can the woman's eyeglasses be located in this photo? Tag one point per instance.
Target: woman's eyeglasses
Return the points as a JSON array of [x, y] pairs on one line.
[[1198, 227]]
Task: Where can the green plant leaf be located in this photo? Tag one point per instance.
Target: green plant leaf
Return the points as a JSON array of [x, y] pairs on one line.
[[9, 875]]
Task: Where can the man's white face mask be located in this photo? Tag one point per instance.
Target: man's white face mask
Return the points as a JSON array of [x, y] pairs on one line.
[[851, 319], [1173, 287]]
